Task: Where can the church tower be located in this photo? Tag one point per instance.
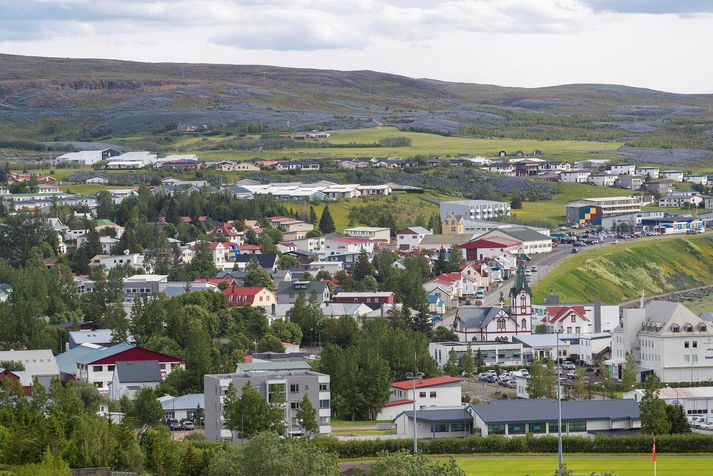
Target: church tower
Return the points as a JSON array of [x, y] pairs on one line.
[[521, 300]]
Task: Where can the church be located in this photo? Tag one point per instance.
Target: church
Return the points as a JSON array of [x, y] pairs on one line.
[[498, 323]]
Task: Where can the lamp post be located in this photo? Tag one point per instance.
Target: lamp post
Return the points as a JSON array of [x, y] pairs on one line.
[[413, 376], [559, 405]]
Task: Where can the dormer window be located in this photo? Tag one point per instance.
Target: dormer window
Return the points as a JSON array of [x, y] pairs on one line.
[[675, 328], [688, 327], [702, 327]]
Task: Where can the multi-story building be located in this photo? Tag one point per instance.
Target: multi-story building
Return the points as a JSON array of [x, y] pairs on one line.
[[370, 233], [681, 198], [453, 225], [493, 352], [429, 392], [666, 339], [281, 387], [475, 209], [602, 180], [609, 206], [675, 175], [575, 176], [648, 172], [622, 169]]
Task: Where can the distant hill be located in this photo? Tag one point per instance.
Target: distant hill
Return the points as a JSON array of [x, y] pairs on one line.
[[70, 99]]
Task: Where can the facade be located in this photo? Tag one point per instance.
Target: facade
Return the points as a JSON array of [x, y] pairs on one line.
[[660, 187], [602, 180], [286, 386], [493, 352], [130, 377], [666, 339], [370, 233], [289, 291], [575, 176], [475, 209], [609, 205], [675, 175], [630, 182], [430, 392], [453, 225], [622, 169], [532, 242], [696, 401], [250, 296], [334, 245], [649, 173], [410, 238], [364, 297], [680, 199]]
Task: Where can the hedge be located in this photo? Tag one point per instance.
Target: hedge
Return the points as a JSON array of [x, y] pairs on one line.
[[687, 443]]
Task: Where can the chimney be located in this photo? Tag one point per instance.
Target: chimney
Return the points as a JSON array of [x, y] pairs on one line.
[[597, 315], [274, 308]]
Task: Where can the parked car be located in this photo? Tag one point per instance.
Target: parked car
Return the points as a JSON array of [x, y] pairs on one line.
[[524, 372], [567, 365], [615, 242], [187, 425], [572, 374], [533, 269], [173, 424], [575, 251]]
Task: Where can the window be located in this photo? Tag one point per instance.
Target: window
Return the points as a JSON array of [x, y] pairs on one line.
[[578, 330], [110, 368], [686, 358], [688, 327], [675, 328], [324, 420], [496, 429], [685, 344], [516, 429], [537, 427], [421, 394], [573, 318], [577, 425], [324, 387], [701, 327], [694, 344], [324, 404], [276, 393], [97, 368], [294, 405], [553, 426], [523, 324], [439, 427], [294, 388], [501, 324], [465, 426], [432, 395], [569, 330]]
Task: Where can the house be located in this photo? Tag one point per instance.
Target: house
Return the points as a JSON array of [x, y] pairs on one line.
[[40, 365], [622, 169], [602, 180], [219, 252], [532, 241], [341, 192], [384, 189], [335, 245], [143, 285], [5, 291], [288, 291], [250, 296], [680, 199], [185, 407], [479, 273], [508, 170], [475, 323], [97, 180], [228, 231], [696, 401], [443, 242], [135, 260], [131, 376], [429, 392], [590, 163], [666, 339], [287, 386], [575, 176], [492, 352], [659, 187], [436, 305], [542, 346], [87, 157], [673, 175], [649, 173], [698, 179], [453, 225], [474, 209], [539, 417], [286, 247], [10, 378], [267, 261], [409, 238], [231, 166], [100, 337], [442, 293], [630, 182], [98, 367], [371, 233], [569, 319], [386, 297], [297, 165], [480, 249]]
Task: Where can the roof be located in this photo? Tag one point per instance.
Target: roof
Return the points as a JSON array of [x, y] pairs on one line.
[[348, 240], [475, 317], [520, 283], [415, 230], [440, 414], [446, 240], [243, 291], [539, 340], [67, 361], [525, 234], [505, 411], [288, 287], [492, 242], [99, 336], [394, 403], [184, 402], [138, 371], [427, 382], [265, 260], [103, 353], [358, 294], [273, 365], [37, 362]]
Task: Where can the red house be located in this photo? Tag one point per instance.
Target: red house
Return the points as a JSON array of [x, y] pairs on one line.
[[364, 297], [480, 249], [9, 378]]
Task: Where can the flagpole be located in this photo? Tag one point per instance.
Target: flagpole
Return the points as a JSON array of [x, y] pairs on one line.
[[653, 455]]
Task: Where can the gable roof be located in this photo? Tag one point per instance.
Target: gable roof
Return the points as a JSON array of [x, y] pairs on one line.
[[440, 414], [559, 313], [520, 283], [446, 240], [265, 260], [36, 362], [67, 361], [98, 336], [138, 371], [103, 352], [184, 402], [504, 411], [415, 230], [476, 317], [292, 287], [427, 382]]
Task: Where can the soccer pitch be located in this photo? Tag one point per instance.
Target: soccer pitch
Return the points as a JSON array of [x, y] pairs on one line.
[[639, 465]]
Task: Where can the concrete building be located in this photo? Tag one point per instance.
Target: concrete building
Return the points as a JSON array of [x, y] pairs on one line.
[[622, 169], [675, 175], [696, 401], [667, 340], [370, 233], [602, 180], [575, 176], [409, 238], [648, 172], [475, 209], [431, 392], [681, 198], [493, 352], [288, 387], [607, 206]]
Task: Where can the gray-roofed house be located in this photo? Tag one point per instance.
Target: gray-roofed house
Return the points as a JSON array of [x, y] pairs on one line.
[[288, 291], [39, 364], [436, 422], [438, 242], [102, 337], [185, 407], [133, 375]]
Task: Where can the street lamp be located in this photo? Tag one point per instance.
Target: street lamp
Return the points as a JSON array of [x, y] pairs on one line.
[[559, 405], [413, 376]]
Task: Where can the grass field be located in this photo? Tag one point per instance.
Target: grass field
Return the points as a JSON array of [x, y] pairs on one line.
[[638, 465], [622, 272]]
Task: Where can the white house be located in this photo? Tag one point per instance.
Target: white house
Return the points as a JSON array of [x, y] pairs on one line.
[[674, 175], [130, 377], [575, 176], [622, 169], [185, 407], [602, 180], [430, 392], [409, 238], [370, 233], [334, 245]]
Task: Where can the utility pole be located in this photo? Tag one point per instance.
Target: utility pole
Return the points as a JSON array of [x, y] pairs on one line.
[[559, 406], [413, 376]]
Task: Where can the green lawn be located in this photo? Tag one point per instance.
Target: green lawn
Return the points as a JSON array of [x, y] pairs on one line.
[[622, 272], [638, 465]]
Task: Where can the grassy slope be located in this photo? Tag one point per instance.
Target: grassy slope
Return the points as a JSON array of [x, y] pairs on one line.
[[619, 273], [699, 304], [621, 465]]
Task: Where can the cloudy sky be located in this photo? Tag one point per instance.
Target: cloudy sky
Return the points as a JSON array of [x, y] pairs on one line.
[[660, 44]]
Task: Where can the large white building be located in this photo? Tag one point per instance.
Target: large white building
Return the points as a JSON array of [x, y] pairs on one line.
[[666, 339], [430, 392], [475, 209], [696, 401]]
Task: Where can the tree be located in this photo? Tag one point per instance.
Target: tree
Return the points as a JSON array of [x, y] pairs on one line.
[[443, 334], [147, 409], [403, 463], [468, 364], [267, 245], [451, 367], [286, 331], [362, 267], [479, 359], [629, 372], [307, 417], [541, 329], [256, 276], [270, 343], [455, 259], [312, 215], [326, 222], [250, 414], [606, 380], [677, 419], [579, 386], [654, 418], [516, 202], [542, 380], [288, 262], [198, 354]]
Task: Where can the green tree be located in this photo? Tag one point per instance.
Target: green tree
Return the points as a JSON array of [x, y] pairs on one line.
[[579, 387], [606, 380], [362, 267], [267, 245], [654, 418], [147, 409], [468, 364], [286, 331], [402, 463], [451, 367], [543, 381], [250, 414], [288, 262], [677, 419], [256, 276], [270, 343], [629, 372], [307, 417], [312, 215], [455, 258], [326, 222], [198, 355]]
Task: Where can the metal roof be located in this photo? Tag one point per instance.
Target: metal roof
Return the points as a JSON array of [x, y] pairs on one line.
[[67, 361], [138, 371], [103, 353], [440, 414], [190, 401], [36, 362], [534, 409], [277, 365]]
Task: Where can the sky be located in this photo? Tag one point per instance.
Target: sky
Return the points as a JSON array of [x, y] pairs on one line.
[[658, 44]]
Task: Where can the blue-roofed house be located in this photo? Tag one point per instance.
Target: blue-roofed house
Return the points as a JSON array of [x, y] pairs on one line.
[[184, 407], [67, 361]]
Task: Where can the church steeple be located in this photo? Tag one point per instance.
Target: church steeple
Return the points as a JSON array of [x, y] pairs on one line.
[[520, 283], [521, 299]]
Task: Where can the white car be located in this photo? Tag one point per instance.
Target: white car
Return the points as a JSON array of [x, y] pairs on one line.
[[567, 365]]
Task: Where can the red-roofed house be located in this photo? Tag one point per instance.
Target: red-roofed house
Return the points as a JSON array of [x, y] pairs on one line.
[[249, 249], [570, 319], [228, 231], [286, 247], [478, 273], [481, 248], [438, 391], [250, 296]]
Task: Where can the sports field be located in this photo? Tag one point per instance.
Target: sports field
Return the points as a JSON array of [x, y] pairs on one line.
[[639, 465]]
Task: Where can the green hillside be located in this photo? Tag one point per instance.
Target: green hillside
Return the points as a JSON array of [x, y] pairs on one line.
[[619, 273]]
